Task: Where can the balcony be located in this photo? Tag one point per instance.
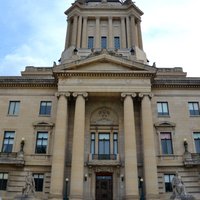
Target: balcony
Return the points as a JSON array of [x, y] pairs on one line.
[[104, 160], [13, 158], [191, 159]]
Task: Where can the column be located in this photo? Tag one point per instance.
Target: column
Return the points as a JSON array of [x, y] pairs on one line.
[[110, 33], [123, 32], [84, 34], [128, 32], [131, 171], [74, 30], [59, 147], [97, 35], [77, 168], [79, 32], [140, 44], [150, 165], [133, 31], [67, 40]]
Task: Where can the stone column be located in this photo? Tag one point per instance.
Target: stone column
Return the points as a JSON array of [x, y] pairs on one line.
[[77, 168], [79, 32], [74, 30], [110, 33], [133, 31], [131, 171], [150, 165], [97, 35], [67, 40], [140, 44], [123, 32], [59, 147], [84, 34], [128, 32]]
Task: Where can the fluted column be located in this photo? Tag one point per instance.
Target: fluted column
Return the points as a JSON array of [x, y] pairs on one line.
[[140, 44], [67, 40], [150, 165], [128, 32], [74, 30], [110, 33], [84, 33], [97, 35], [77, 168], [79, 32], [133, 31], [59, 147], [123, 32], [131, 171]]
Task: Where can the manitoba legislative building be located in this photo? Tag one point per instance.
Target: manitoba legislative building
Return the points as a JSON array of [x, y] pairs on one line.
[[101, 123]]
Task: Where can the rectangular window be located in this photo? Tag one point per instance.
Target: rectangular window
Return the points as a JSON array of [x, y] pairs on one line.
[[162, 108], [41, 142], [45, 108], [194, 108], [168, 182], [3, 180], [90, 42], [104, 146], [196, 136], [13, 108], [39, 181], [115, 143], [117, 42], [8, 141], [166, 143], [103, 42], [92, 144]]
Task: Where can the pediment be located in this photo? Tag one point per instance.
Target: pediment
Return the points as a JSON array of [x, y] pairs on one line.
[[104, 63]]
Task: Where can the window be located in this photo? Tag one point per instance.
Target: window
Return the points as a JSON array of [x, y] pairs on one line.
[[3, 180], [115, 143], [103, 42], [162, 108], [104, 146], [166, 143], [117, 42], [8, 141], [39, 180], [41, 142], [13, 108], [90, 42], [45, 108], [194, 108], [92, 144], [196, 136], [168, 182]]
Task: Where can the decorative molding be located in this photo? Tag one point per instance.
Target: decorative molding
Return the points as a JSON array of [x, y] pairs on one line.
[[76, 94], [142, 95], [133, 95], [65, 94], [164, 124]]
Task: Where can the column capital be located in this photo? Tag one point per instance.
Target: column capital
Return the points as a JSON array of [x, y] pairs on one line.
[[59, 94], [83, 94], [124, 94], [142, 95]]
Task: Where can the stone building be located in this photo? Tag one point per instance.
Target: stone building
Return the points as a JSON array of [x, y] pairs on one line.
[[102, 124]]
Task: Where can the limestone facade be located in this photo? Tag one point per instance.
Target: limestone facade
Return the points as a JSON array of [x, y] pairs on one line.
[[101, 124]]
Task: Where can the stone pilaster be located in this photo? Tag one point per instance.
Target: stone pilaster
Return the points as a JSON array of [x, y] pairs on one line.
[[74, 30], [97, 35], [123, 32], [67, 42], [77, 168], [140, 44], [79, 32], [131, 171], [133, 32], [150, 164], [84, 33], [110, 33], [128, 32], [59, 147]]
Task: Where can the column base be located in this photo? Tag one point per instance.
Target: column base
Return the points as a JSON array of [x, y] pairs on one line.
[[132, 197], [152, 197]]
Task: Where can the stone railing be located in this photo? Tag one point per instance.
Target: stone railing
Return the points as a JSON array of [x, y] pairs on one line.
[[191, 159], [14, 158]]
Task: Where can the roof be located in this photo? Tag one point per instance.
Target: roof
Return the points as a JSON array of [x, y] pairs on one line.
[[101, 1]]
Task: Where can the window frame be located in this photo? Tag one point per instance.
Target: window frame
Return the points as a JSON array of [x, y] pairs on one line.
[[13, 110], [37, 184], [90, 42], [198, 140], [3, 181], [163, 113], [170, 176], [43, 139], [117, 42], [194, 112], [115, 143], [10, 139], [104, 42], [166, 140], [45, 112]]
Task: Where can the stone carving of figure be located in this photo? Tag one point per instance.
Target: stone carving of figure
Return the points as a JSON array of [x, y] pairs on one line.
[[178, 186], [29, 188]]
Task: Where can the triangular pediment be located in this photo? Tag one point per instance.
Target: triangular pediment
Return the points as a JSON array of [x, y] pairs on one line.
[[105, 63]]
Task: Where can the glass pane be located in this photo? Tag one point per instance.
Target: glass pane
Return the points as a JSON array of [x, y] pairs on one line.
[[1, 175], [107, 147], [101, 147], [196, 107], [16, 111], [167, 179], [165, 135], [196, 135], [165, 107], [103, 42], [117, 42], [197, 145], [11, 108], [5, 176], [190, 106], [159, 107], [169, 147], [90, 42], [104, 136]]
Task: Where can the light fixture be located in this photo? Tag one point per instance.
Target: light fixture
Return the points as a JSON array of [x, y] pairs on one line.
[[67, 180], [85, 177], [122, 177], [185, 143], [22, 144]]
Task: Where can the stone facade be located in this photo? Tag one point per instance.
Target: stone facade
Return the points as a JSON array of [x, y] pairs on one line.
[[102, 123]]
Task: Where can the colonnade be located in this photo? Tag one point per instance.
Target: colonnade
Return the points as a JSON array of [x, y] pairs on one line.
[[77, 32], [130, 151]]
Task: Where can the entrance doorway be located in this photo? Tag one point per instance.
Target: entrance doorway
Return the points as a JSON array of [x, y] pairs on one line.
[[104, 186]]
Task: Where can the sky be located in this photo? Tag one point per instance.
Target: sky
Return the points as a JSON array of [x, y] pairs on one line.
[[32, 33]]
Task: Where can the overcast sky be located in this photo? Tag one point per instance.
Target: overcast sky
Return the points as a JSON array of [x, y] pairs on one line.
[[32, 33]]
